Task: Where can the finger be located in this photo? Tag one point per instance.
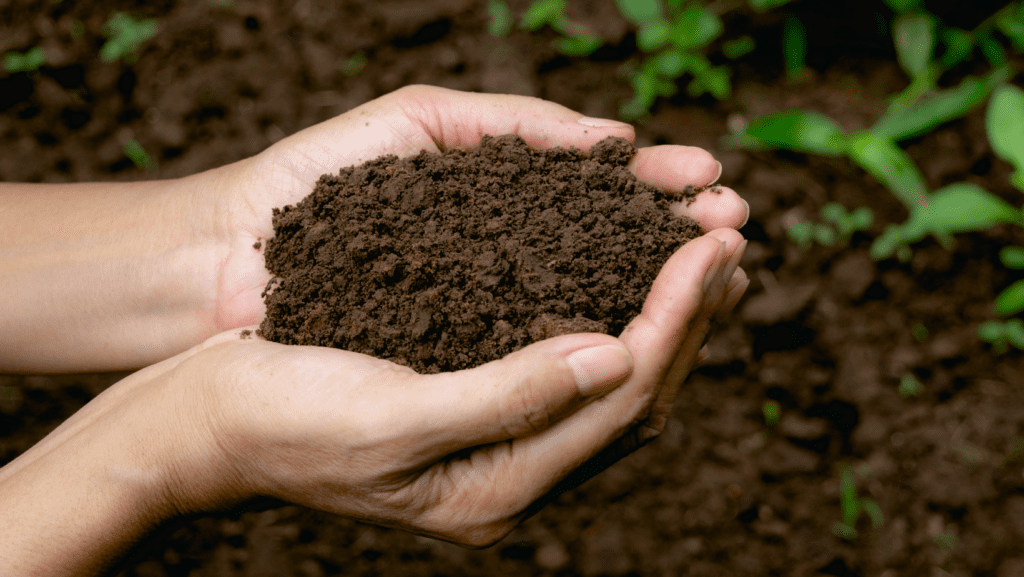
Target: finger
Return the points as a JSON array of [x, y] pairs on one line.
[[717, 207], [523, 393], [672, 167], [538, 462], [459, 119]]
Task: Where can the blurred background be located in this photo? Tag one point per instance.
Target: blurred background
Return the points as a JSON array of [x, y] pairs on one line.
[[861, 413]]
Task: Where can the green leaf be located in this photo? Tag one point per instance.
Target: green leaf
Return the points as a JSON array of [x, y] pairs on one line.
[[862, 218], [125, 37], [959, 44], [844, 531], [899, 6], [1015, 332], [891, 166], [765, 5], [501, 20], [695, 27], [1011, 23], [544, 12], [31, 60], [914, 36], [909, 386], [961, 207], [833, 212], [802, 131], [874, 512], [716, 80], [672, 62], [653, 35], [941, 107], [138, 155], [584, 46], [993, 51], [638, 12], [1011, 300], [801, 232], [354, 64], [772, 412], [1012, 256], [1005, 124], [825, 235], [794, 47], [991, 331], [738, 47], [848, 497]]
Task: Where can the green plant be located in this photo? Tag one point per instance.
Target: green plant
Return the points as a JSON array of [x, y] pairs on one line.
[[125, 37], [919, 332], [138, 155], [674, 36], [30, 61], [354, 64], [772, 412], [853, 505], [794, 47], [501, 21], [910, 386], [574, 40], [841, 226]]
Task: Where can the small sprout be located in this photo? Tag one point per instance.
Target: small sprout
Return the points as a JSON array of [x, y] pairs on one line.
[[577, 47], [772, 412], [355, 64], [544, 13], [125, 37], [919, 332], [794, 47], [738, 47], [30, 61], [852, 506], [910, 386], [134, 151], [501, 22], [946, 541]]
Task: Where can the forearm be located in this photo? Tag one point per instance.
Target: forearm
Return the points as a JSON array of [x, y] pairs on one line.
[[104, 276], [76, 508]]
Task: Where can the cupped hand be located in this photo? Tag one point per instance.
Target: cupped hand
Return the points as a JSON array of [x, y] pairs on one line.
[[460, 456], [404, 123]]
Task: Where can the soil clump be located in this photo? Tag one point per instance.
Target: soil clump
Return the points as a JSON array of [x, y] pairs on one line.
[[445, 261]]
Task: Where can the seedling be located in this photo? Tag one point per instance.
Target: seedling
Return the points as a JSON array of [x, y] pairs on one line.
[[30, 61], [574, 40], [125, 37], [853, 506], [919, 332], [355, 64], [675, 35], [137, 154], [501, 21], [841, 226], [772, 412], [910, 386], [1005, 126], [794, 47]]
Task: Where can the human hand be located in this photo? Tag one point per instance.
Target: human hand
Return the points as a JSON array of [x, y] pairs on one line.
[[404, 123]]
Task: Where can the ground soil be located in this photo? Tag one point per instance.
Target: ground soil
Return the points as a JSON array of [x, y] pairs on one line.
[[445, 261], [827, 332]]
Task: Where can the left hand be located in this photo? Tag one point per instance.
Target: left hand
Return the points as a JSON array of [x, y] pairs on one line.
[[403, 123]]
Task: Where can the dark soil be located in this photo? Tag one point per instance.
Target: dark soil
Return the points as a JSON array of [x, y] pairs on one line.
[[827, 332], [446, 261]]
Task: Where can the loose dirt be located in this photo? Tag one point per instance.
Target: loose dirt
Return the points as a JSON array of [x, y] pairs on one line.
[[445, 261]]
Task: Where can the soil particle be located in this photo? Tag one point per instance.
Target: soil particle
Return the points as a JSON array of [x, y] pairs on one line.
[[445, 261]]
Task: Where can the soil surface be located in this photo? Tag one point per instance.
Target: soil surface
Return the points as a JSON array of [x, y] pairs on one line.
[[447, 261], [825, 331]]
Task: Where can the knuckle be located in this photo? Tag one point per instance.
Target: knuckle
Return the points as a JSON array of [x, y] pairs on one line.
[[525, 409]]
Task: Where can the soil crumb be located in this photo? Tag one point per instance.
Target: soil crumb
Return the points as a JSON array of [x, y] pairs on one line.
[[445, 261]]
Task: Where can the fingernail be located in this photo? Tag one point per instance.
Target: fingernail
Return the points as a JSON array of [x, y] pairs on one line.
[[715, 272], [703, 354], [734, 262], [719, 174], [599, 369], [745, 218], [733, 297], [602, 123]]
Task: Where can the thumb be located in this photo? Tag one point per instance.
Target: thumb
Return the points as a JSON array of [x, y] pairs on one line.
[[525, 392]]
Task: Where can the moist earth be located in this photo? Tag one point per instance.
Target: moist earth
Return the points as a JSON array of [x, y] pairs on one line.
[[445, 261]]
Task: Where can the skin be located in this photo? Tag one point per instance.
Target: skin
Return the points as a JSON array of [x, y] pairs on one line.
[[163, 275]]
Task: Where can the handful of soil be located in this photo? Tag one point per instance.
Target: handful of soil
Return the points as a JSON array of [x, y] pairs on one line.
[[447, 261]]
